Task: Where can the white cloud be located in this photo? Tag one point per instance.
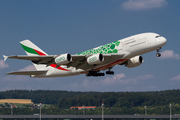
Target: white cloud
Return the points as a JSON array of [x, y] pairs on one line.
[[112, 80], [177, 78], [169, 54], [138, 5], [118, 79], [104, 82], [138, 79], [3, 64], [28, 68], [17, 78]]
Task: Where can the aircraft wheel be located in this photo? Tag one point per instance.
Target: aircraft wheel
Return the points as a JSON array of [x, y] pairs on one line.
[[110, 72], [158, 55]]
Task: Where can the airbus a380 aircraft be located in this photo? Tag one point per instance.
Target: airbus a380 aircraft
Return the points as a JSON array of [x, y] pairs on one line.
[[122, 52]]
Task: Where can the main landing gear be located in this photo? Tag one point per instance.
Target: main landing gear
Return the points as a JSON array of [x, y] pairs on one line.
[[96, 73], [158, 54]]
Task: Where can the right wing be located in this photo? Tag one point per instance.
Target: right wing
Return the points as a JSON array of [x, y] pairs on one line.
[[27, 72]]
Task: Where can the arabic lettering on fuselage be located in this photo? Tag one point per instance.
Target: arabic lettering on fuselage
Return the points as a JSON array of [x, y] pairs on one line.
[[129, 41]]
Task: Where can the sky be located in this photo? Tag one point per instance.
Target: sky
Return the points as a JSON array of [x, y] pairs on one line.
[[73, 26]]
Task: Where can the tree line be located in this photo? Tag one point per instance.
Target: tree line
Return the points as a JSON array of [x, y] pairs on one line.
[[116, 103], [40, 96], [66, 99], [123, 99]]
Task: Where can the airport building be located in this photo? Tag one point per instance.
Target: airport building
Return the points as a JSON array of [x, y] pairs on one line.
[[89, 117]]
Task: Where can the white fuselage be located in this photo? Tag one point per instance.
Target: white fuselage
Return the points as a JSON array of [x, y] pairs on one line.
[[131, 46]]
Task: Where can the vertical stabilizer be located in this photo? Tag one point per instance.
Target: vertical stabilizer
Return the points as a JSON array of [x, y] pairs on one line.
[[32, 50]]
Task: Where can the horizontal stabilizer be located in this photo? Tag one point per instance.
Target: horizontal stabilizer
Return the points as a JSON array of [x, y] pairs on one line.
[[5, 57], [27, 72]]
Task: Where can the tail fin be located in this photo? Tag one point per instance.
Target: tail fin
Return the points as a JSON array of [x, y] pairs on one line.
[[32, 50]]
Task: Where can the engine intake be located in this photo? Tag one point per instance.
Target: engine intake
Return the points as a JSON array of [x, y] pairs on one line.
[[63, 59], [95, 59], [134, 62]]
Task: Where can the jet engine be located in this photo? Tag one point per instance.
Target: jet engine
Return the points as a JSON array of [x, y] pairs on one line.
[[134, 62], [95, 59], [63, 59]]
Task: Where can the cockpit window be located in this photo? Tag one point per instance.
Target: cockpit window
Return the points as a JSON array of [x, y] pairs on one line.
[[157, 36]]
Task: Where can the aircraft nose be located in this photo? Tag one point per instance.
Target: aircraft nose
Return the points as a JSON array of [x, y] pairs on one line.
[[163, 40]]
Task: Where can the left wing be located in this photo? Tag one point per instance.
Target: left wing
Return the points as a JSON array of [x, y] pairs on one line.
[[27, 72], [50, 59], [43, 59], [25, 57]]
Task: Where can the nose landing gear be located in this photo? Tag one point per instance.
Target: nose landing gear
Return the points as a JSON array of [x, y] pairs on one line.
[[109, 72], [158, 54]]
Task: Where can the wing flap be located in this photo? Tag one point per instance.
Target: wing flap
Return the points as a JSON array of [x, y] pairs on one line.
[[114, 55], [27, 72]]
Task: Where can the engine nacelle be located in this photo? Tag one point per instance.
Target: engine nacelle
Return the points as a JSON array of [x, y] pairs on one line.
[[134, 62], [95, 59], [63, 59]]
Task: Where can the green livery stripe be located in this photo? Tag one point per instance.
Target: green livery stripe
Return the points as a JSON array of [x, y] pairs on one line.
[[105, 49], [29, 50]]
